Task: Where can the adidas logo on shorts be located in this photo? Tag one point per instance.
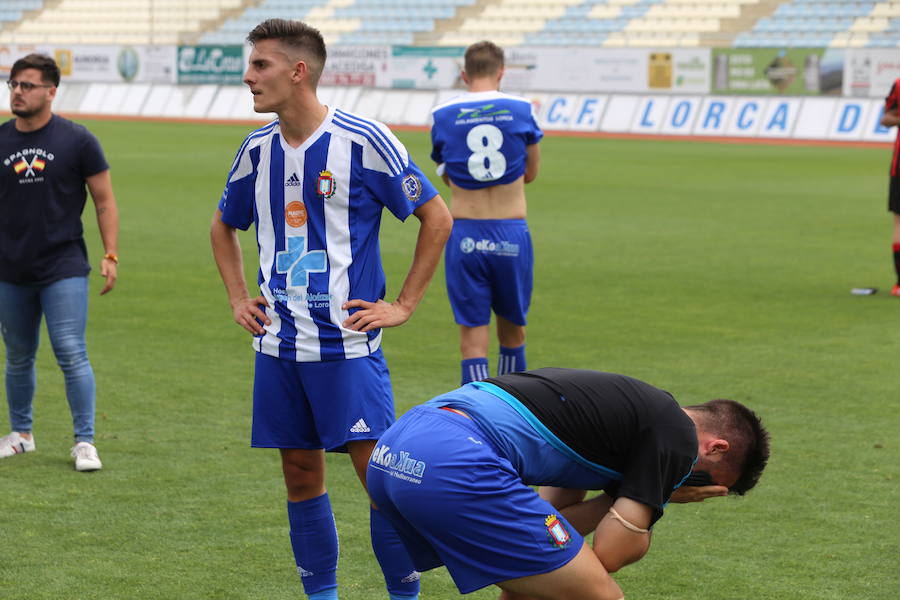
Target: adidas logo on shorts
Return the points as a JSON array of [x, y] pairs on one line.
[[360, 427]]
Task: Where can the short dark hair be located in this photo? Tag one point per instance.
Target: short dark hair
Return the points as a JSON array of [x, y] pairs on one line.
[[297, 36], [43, 63], [747, 438], [483, 58]]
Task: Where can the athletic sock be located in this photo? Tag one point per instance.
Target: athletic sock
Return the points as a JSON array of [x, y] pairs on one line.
[[315, 543], [511, 360], [474, 369], [897, 261], [400, 576]]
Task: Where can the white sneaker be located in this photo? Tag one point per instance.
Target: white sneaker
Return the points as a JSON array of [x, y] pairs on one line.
[[13, 444], [86, 458]]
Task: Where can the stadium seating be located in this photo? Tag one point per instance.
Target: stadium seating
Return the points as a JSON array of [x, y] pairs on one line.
[[821, 23], [659, 23], [111, 21], [346, 21]]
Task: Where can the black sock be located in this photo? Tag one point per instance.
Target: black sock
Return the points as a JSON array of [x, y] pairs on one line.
[[897, 261]]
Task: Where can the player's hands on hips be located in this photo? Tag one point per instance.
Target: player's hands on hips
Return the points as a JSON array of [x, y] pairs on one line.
[[688, 493], [110, 270], [375, 315], [248, 314]]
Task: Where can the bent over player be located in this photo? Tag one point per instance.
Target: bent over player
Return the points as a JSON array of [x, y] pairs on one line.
[[453, 475], [486, 145], [315, 182]]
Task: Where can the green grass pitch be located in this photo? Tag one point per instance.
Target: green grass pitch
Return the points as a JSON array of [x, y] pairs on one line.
[[711, 270]]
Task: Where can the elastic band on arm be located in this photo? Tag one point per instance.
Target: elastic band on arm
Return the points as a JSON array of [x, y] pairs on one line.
[[627, 524]]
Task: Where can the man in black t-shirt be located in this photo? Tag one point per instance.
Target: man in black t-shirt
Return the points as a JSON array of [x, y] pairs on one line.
[[45, 163], [454, 476]]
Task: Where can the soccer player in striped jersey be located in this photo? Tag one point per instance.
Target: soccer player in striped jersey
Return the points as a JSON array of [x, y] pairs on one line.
[[486, 145], [314, 182], [891, 118]]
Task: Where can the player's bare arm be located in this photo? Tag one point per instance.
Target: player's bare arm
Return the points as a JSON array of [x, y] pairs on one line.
[[435, 223], [227, 252], [559, 497], [890, 118], [623, 535], [100, 187], [532, 162]]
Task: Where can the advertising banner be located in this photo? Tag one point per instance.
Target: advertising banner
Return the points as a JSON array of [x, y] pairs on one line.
[[424, 67], [101, 64], [211, 64], [356, 65], [777, 71], [869, 73], [607, 69]]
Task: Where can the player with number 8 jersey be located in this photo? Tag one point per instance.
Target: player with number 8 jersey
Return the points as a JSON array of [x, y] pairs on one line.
[[485, 144]]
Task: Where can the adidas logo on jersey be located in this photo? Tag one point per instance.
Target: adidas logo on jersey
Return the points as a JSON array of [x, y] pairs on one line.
[[292, 180], [360, 427]]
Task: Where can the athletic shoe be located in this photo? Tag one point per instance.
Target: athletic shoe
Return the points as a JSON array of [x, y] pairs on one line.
[[895, 291], [86, 458], [14, 443]]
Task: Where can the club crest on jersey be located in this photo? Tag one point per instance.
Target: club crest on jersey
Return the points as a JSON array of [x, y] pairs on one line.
[[295, 214], [557, 531], [412, 187], [325, 185]]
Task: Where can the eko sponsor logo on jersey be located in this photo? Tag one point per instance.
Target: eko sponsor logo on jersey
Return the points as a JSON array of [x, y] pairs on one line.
[[398, 464], [500, 248], [29, 163]]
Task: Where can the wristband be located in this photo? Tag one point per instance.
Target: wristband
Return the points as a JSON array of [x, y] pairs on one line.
[[112, 257]]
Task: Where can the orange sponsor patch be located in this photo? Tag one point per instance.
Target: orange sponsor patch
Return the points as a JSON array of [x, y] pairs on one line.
[[295, 214]]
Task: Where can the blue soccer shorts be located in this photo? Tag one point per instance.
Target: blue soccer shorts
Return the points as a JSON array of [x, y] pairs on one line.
[[312, 405], [456, 501], [489, 265]]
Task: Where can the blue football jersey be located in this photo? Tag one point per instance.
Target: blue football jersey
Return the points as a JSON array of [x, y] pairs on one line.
[[317, 210], [480, 138]]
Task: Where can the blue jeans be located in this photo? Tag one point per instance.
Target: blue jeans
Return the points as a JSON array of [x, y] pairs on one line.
[[64, 304]]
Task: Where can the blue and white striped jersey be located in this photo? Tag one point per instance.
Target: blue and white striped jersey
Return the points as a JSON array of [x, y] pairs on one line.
[[480, 138], [317, 210]]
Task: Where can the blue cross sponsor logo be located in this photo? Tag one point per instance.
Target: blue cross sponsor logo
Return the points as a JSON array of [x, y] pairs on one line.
[[429, 69], [298, 263]]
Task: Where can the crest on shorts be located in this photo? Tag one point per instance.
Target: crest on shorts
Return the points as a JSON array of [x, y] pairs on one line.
[[412, 187], [557, 531], [325, 185]]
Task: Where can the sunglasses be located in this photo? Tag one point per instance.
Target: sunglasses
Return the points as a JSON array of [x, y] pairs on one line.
[[26, 86]]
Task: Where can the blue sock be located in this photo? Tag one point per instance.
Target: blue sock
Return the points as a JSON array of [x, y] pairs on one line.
[[474, 369], [315, 543], [511, 360], [400, 576]]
